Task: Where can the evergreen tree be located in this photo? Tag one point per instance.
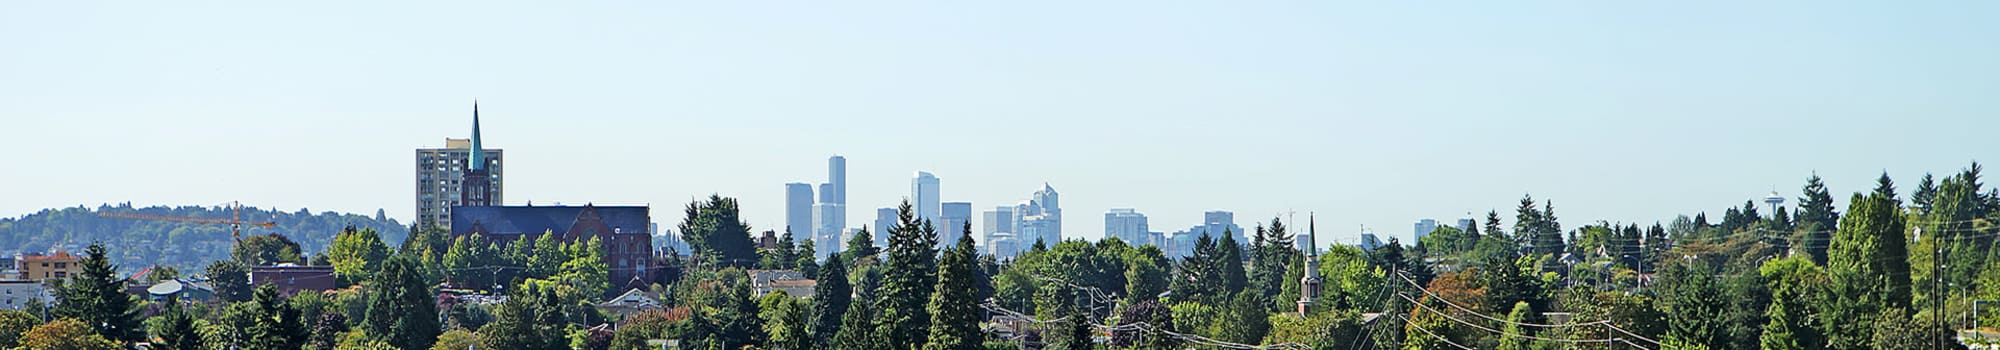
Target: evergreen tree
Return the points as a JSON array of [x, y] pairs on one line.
[[1816, 219], [787, 254], [857, 330], [1493, 226], [954, 318], [784, 319], [1230, 262], [1887, 188], [96, 296], [401, 308], [1527, 222], [1197, 277], [264, 250], [715, 229], [174, 328], [231, 280], [278, 324], [1926, 192], [1272, 250], [831, 298], [862, 246], [528, 321], [1695, 305], [908, 280], [1245, 321]]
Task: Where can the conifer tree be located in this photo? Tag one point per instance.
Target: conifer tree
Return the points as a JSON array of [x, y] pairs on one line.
[[96, 296], [954, 319], [908, 279], [1925, 194], [1493, 226], [1230, 262], [278, 324], [1778, 333], [862, 246], [1817, 220], [857, 331], [175, 330], [1887, 188], [401, 308], [831, 298]]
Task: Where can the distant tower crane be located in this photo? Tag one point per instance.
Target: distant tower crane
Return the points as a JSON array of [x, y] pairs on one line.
[[235, 220]]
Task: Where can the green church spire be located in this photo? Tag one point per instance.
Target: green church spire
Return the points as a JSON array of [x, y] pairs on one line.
[[478, 152]]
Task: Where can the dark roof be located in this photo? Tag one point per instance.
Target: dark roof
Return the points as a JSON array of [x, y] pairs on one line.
[[538, 219]]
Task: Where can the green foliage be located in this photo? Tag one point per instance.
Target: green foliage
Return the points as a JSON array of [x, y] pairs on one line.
[[1695, 305], [585, 269], [12, 324], [954, 318], [857, 330], [1244, 321], [401, 307], [456, 339], [467, 263], [356, 254], [96, 296], [862, 246], [173, 329], [1154, 316], [65, 334], [909, 279], [714, 229], [785, 322], [231, 280], [1513, 339], [1321, 330], [278, 324], [1271, 250], [831, 298], [530, 320], [167, 243], [1816, 218], [264, 250]]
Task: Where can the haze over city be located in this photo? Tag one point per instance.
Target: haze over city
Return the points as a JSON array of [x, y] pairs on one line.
[[1371, 115]]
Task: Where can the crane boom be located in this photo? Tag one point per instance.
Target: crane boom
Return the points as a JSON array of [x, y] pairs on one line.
[[235, 223]]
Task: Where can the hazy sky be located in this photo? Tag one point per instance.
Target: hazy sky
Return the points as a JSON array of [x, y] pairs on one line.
[[1372, 113]]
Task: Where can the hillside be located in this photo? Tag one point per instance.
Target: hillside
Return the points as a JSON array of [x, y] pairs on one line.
[[139, 243]]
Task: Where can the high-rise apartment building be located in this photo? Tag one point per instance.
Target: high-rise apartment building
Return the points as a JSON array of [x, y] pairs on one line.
[[442, 173], [828, 234], [799, 210], [1127, 224], [924, 195], [955, 216]]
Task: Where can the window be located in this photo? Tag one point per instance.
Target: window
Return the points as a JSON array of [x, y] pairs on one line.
[[61, 274]]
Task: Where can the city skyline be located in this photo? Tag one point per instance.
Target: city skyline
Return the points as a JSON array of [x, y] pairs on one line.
[[1369, 114]]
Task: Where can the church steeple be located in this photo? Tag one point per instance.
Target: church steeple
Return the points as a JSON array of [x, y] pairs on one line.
[[478, 158], [1309, 285]]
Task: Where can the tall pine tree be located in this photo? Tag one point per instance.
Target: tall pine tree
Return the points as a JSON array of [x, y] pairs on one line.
[[97, 297], [1817, 220], [831, 298], [908, 279], [401, 308], [954, 319]]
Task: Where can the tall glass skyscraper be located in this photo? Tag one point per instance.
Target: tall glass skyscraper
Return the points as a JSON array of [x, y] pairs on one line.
[[924, 195], [799, 210]]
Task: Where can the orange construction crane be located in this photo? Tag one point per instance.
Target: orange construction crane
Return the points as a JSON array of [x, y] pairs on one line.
[[235, 221]]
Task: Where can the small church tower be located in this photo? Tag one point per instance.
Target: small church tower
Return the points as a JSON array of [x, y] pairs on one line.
[[1309, 286], [477, 186]]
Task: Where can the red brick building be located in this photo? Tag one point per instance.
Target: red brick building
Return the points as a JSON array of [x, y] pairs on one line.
[[628, 247]]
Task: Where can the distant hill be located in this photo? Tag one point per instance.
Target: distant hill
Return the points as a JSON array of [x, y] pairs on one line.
[[136, 244]]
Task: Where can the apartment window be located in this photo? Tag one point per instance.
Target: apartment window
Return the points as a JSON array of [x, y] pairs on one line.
[[61, 274], [62, 265]]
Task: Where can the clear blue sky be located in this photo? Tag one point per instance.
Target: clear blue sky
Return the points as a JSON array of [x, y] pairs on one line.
[[1371, 113]]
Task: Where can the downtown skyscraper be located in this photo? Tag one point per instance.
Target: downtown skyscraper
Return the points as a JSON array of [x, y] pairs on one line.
[[825, 221], [924, 196]]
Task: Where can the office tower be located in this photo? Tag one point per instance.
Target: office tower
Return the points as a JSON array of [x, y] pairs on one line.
[[1368, 240], [799, 210], [441, 176], [1424, 227], [998, 220], [924, 195], [955, 216], [1465, 224], [836, 174], [835, 192], [885, 219], [1127, 224], [1039, 218], [828, 234]]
